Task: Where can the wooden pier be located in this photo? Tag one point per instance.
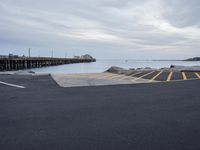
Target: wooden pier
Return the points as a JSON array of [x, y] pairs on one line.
[[9, 64]]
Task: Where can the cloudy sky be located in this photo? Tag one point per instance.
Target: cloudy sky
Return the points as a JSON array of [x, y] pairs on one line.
[[131, 29]]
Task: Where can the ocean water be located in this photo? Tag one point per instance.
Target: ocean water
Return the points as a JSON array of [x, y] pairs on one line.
[[102, 65]]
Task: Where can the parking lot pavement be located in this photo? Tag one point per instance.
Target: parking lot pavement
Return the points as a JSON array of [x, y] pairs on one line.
[[44, 116], [163, 76], [99, 79], [26, 81]]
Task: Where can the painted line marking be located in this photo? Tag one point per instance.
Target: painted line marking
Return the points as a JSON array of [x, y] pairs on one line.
[[94, 76], [143, 75], [184, 76], [124, 78], [197, 74], [13, 85], [132, 75], [117, 76], [106, 76], [169, 76], [156, 76], [87, 75], [129, 76], [193, 79]]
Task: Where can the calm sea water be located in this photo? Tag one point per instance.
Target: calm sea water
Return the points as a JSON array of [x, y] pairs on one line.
[[102, 65]]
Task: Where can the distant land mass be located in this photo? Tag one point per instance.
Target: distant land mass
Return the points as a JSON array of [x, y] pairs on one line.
[[193, 59]]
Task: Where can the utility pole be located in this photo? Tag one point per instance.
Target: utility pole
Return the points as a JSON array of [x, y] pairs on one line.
[[52, 53], [29, 52], [65, 54]]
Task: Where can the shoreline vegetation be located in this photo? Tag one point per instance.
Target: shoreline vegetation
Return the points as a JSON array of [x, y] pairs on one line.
[[193, 59]]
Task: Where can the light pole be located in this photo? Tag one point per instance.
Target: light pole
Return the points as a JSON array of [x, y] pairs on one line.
[[52, 53], [65, 54], [29, 52]]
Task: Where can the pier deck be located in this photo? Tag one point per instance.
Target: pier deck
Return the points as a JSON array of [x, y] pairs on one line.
[[8, 64]]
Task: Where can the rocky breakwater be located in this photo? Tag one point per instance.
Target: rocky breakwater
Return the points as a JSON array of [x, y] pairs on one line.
[[119, 70]]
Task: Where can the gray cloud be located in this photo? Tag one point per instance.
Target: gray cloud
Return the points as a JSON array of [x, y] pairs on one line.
[[129, 28], [182, 13]]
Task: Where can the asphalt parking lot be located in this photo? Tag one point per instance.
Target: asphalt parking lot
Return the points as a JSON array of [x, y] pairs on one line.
[[166, 75], [44, 116]]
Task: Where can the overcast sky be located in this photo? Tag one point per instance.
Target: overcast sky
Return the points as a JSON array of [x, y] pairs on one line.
[[130, 29]]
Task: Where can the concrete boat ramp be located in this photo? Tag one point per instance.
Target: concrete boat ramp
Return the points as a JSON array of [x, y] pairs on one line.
[[133, 77], [95, 79]]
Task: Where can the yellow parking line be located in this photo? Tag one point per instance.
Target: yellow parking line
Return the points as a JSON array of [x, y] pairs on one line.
[[93, 76], [169, 76], [135, 74], [125, 77], [184, 76], [117, 76], [106, 76], [143, 75], [113, 76], [129, 76], [197, 74], [99, 75], [156, 76]]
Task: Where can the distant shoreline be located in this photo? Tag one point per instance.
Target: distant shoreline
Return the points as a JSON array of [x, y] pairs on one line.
[[165, 60], [149, 59]]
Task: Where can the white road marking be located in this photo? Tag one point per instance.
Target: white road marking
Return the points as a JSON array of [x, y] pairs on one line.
[[13, 85]]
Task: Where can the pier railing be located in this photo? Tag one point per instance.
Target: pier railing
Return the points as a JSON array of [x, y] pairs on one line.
[[8, 64]]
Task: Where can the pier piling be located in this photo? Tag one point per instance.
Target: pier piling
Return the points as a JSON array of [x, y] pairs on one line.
[[9, 64]]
